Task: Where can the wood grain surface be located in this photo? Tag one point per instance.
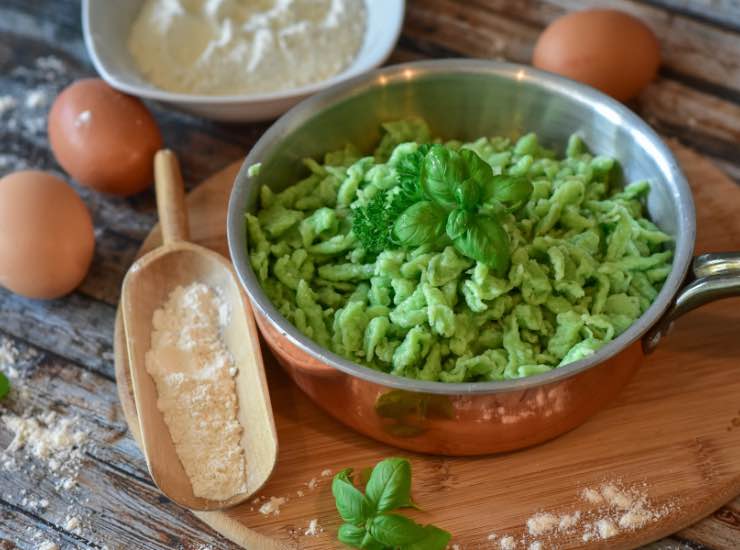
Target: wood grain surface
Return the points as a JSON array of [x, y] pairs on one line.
[[64, 348], [671, 432]]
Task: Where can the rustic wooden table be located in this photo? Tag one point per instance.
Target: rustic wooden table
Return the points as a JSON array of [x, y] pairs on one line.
[[60, 352]]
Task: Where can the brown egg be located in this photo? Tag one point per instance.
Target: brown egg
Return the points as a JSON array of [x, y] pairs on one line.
[[46, 235], [608, 49], [103, 138]]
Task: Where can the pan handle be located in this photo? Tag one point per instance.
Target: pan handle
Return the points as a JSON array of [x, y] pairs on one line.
[[713, 276]]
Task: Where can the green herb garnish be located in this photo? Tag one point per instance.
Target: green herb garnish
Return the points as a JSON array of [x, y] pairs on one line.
[[4, 386], [438, 200], [369, 523]]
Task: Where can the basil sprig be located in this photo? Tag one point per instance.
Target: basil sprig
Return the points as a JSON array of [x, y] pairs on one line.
[[369, 521], [453, 185]]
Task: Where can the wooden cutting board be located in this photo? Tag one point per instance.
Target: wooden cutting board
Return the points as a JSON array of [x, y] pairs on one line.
[[674, 431]]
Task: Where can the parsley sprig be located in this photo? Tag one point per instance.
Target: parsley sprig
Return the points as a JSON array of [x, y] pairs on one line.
[[439, 199], [369, 522]]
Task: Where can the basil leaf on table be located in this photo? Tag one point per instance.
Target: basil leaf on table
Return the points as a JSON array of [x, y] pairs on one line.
[[434, 539], [485, 241], [352, 535], [419, 224], [352, 505], [442, 171], [508, 190], [358, 537], [457, 222], [4, 386], [389, 486], [394, 530]]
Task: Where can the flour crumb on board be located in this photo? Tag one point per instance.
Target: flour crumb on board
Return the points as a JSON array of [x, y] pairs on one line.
[[543, 523], [610, 510], [568, 521], [312, 483], [591, 496], [313, 528], [507, 543], [190, 364], [272, 506], [326, 472]]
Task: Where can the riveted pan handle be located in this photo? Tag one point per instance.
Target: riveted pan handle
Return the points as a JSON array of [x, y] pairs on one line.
[[713, 276]]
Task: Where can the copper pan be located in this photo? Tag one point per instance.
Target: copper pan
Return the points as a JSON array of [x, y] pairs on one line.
[[466, 99]]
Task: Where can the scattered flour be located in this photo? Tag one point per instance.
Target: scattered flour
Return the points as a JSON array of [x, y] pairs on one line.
[[36, 98], [612, 510], [606, 528], [8, 359], [272, 506], [51, 64], [591, 496], [7, 103], [326, 472], [543, 523], [48, 437], [73, 525], [312, 483], [190, 364], [568, 521], [313, 528]]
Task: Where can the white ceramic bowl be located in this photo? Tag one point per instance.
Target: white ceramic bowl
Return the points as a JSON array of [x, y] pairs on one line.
[[106, 26]]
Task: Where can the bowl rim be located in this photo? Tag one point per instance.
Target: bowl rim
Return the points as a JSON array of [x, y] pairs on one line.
[[395, 16], [295, 117]]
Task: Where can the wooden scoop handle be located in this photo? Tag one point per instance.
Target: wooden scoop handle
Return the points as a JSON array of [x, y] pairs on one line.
[[173, 216]]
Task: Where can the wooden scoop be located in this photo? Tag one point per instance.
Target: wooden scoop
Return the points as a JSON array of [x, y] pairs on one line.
[[146, 287]]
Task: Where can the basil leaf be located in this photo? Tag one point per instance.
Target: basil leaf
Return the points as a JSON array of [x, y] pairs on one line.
[[435, 539], [351, 535], [442, 171], [476, 169], [369, 543], [467, 195], [352, 505], [409, 173], [485, 241], [457, 223], [419, 224], [394, 530], [4, 386], [389, 486], [508, 190]]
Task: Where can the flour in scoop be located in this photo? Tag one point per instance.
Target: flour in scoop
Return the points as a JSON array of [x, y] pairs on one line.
[[229, 47], [193, 371]]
